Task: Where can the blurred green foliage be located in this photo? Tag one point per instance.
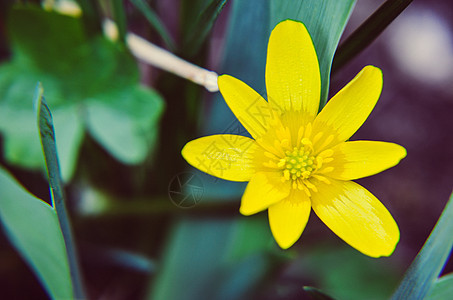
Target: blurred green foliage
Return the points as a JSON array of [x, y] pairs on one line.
[[426, 267], [92, 84], [213, 259]]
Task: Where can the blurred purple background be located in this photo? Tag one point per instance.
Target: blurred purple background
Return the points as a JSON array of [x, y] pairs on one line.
[[415, 110]]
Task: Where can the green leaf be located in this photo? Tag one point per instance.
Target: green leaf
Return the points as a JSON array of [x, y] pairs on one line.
[[155, 22], [77, 72], [368, 31], [345, 273], [32, 227], [198, 18], [47, 134], [91, 16], [442, 288], [426, 267], [120, 19], [316, 294], [124, 126], [203, 259]]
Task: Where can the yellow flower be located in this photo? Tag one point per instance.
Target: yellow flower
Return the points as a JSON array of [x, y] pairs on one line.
[[298, 159]]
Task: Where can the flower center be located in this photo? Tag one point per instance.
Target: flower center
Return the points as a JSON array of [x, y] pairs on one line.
[[301, 159], [298, 163]]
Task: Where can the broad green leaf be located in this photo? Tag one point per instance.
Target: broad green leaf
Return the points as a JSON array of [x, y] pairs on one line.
[[203, 260], [77, 71], [32, 227], [47, 134], [442, 288], [428, 263], [123, 126], [198, 18], [368, 31], [325, 21], [245, 56]]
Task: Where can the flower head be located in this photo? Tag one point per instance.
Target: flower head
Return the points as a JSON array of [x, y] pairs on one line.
[[298, 160]]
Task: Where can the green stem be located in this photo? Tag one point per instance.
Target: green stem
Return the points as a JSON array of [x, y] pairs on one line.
[[91, 17], [47, 134], [120, 19], [155, 22], [368, 32], [160, 205]]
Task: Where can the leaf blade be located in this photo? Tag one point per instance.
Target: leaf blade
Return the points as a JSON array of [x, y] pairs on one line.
[[442, 288], [155, 22], [47, 134], [32, 227], [427, 265], [316, 294], [197, 27], [368, 31]]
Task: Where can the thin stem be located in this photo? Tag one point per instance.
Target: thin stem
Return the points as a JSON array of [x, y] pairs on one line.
[[368, 32], [165, 60], [120, 18], [112, 206]]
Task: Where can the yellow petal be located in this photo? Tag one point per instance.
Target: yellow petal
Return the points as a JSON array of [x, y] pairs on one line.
[[248, 106], [288, 218], [293, 80], [357, 217], [226, 156], [350, 107], [263, 190], [357, 159]]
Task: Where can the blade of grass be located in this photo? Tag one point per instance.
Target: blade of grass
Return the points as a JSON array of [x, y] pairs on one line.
[[155, 22], [91, 16], [47, 135], [120, 19], [428, 264], [199, 27], [316, 294], [368, 32]]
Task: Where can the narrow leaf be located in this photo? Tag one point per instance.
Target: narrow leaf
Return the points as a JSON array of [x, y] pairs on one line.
[[316, 294], [245, 58], [368, 31], [47, 134], [32, 227], [120, 19], [198, 27], [155, 22], [91, 16], [442, 288], [429, 262]]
